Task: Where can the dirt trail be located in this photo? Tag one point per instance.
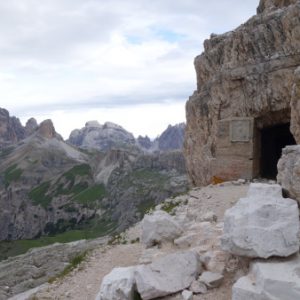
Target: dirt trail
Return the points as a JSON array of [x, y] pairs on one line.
[[84, 282]]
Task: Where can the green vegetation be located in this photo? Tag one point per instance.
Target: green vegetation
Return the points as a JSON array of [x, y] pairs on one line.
[[79, 170], [39, 195], [74, 263], [12, 174], [169, 206], [96, 192], [80, 192], [146, 206], [90, 230]]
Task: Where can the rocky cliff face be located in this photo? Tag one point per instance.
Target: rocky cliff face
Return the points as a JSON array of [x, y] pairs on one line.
[[11, 130], [102, 137], [172, 138], [248, 72]]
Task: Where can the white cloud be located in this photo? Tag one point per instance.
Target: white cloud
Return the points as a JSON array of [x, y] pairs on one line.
[[105, 56]]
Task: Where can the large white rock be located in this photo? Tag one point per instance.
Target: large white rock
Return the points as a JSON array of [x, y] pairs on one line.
[[289, 171], [262, 225], [167, 275], [119, 284], [159, 227], [275, 280]]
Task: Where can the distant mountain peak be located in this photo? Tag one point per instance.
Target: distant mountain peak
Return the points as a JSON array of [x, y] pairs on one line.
[[102, 137], [93, 123], [46, 129]]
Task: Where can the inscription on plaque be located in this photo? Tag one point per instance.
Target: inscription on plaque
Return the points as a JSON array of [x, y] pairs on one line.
[[240, 131]]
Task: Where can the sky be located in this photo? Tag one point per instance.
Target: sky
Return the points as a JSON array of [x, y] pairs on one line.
[[125, 61]]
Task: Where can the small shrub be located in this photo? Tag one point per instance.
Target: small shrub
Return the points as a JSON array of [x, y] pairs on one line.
[[169, 206]]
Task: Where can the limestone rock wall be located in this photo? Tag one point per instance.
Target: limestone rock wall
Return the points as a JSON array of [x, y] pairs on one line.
[[248, 72]]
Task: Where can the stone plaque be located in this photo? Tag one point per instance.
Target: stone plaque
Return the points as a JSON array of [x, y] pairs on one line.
[[240, 130]]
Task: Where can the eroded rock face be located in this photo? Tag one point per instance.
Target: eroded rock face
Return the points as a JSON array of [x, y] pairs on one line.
[[289, 171], [11, 130], [248, 72], [295, 107], [47, 130], [268, 5], [263, 224], [172, 138]]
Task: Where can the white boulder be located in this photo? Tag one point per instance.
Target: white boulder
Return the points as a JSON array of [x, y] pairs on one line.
[[159, 227], [270, 281], [167, 275], [187, 295], [119, 284], [198, 287], [263, 224], [211, 279]]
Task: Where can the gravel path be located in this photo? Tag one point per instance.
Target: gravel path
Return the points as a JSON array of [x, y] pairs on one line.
[[84, 282]]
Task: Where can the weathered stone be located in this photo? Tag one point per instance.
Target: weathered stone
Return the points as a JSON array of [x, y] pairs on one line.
[[215, 260], [295, 106], [270, 280], [119, 284], [262, 225], [159, 227], [289, 171], [268, 5], [198, 287], [199, 234], [211, 279], [245, 77], [167, 275], [187, 295]]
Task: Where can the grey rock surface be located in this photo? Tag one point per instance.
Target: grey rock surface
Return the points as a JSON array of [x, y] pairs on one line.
[[263, 224], [289, 171], [269, 280], [211, 279], [159, 227], [119, 284], [167, 275]]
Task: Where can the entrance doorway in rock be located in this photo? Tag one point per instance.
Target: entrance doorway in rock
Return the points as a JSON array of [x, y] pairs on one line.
[[273, 140]]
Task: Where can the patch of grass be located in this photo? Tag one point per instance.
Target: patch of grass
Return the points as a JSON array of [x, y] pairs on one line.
[[168, 207], [146, 206], [12, 174], [74, 263], [79, 170], [39, 195], [96, 192], [92, 230]]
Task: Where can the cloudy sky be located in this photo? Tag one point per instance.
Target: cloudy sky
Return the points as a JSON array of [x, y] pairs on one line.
[[125, 61]]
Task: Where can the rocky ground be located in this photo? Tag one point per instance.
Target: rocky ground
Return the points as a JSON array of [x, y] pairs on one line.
[[200, 204]]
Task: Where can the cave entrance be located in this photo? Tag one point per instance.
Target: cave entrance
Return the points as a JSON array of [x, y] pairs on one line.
[[273, 140]]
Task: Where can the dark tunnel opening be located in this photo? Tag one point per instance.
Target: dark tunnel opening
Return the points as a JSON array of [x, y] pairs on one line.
[[273, 140]]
